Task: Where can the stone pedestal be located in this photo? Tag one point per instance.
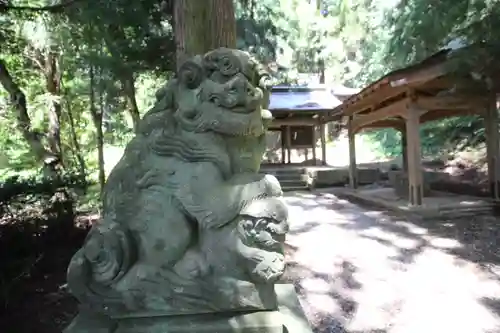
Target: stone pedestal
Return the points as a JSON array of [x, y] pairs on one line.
[[289, 318]]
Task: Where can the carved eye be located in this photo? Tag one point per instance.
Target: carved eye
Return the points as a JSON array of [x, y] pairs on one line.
[[247, 225], [260, 224]]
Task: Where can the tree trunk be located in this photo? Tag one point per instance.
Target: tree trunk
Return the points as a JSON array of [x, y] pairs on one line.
[[34, 139], [128, 83], [53, 85], [74, 139], [190, 29], [321, 65], [97, 118], [122, 72], [100, 143], [221, 24]]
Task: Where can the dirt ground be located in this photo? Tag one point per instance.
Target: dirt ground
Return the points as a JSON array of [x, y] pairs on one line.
[[355, 269], [33, 295], [362, 270]]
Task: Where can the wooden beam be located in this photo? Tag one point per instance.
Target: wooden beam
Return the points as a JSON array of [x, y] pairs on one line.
[[377, 97], [492, 148], [395, 85], [314, 140], [323, 142], [404, 148], [441, 114], [415, 177], [288, 142], [332, 116], [397, 124], [437, 84], [294, 122], [419, 76], [283, 144], [353, 170], [395, 109], [447, 102]]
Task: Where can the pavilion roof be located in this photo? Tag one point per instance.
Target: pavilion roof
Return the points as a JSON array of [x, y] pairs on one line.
[[296, 99], [429, 85]]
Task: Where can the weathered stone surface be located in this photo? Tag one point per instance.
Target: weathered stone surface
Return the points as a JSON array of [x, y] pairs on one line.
[[189, 226], [254, 322], [89, 321], [288, 318], [399, 181]]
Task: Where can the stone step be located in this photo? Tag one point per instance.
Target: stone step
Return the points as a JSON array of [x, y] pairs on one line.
[[293, 185], [292, 182], [295, 188], [297, 171], [291, 179], [287, 177]]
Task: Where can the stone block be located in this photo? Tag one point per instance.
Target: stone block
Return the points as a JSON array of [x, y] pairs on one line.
[[289, 318], [368, 175], [399, 181], [262, 321], [329, 177]]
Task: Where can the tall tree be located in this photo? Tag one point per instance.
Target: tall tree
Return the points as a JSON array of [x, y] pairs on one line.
[[33, 137], [416, 34], [201, 26], [190, 29], [221, 21]]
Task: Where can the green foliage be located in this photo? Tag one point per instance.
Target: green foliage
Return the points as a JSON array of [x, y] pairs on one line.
[[121, 35], [437, 138], [388, 141], [14, 187], [421, 27], [357, 41]]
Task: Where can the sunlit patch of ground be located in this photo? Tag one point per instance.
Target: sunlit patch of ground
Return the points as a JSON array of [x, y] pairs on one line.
[[360, 270]]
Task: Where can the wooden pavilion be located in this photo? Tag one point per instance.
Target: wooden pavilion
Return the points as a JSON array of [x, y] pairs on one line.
[[406, 98], [298, 112]]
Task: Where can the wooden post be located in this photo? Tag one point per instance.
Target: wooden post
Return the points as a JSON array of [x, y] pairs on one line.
[[492, 148], [404, 148], [353, 170], [282, 139], [323, 142], [415, 178], [288, 144], [314, 140]]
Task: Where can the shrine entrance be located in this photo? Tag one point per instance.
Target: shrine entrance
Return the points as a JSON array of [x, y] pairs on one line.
[[299, 122]]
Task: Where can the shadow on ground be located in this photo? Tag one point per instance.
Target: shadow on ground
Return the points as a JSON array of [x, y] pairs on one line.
[[471, 238], [323, 291], [35, 251], [468, 240]]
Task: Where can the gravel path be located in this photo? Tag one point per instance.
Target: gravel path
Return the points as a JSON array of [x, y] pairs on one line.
[[360, 270]]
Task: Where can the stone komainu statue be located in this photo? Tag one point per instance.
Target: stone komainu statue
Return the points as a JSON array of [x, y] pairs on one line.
[[189, 225]]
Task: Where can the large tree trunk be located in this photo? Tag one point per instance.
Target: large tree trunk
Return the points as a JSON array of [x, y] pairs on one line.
[[190, 29], [34, 138], [221, 21], [201, 26]]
